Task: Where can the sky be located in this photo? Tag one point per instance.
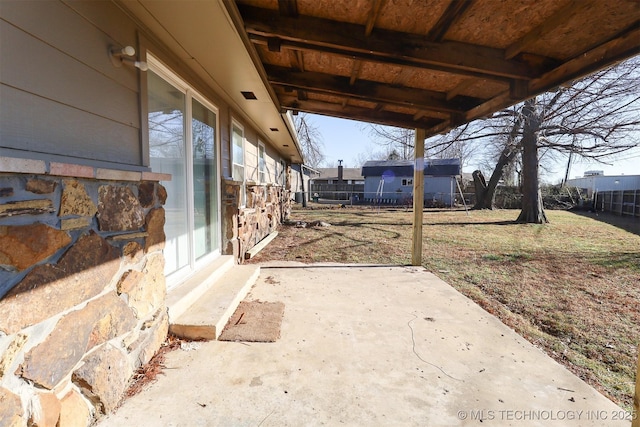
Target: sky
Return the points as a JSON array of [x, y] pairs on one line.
[[348, 139]]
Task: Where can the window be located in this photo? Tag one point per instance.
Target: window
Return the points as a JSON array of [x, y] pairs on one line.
[[262, 166], [407, 181], [237, 155], [283, 173], [183, 142]]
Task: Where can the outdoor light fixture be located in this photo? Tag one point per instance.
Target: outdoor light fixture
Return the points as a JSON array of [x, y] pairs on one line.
[[126, 55]]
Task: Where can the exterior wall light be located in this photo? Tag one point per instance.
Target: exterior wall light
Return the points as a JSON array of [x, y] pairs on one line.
[[126, 55]]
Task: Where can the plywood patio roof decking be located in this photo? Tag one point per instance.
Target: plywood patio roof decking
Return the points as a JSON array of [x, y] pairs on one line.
[[428, 64]]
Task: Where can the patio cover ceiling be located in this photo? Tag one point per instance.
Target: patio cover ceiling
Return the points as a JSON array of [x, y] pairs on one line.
[[428, 64]]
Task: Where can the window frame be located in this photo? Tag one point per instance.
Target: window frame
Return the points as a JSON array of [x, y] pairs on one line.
[[262, 162], [174, 79], [242, 203]]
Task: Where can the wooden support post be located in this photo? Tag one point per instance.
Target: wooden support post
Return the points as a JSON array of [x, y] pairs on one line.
[[418, 197], [636, 400]]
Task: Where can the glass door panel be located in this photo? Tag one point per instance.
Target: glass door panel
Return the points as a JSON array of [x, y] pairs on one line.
[[167, 155], [205, 194]]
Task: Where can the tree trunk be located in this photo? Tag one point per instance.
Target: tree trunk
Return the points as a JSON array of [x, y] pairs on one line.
[[480, 186], [486, 192], [532, 208]]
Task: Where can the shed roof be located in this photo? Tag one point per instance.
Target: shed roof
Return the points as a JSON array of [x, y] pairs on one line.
[[432, 167], [347, 173], [431, 65]]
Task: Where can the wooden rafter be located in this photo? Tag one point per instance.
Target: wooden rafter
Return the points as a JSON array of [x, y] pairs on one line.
[[392, 47], [376, 7], [624, 45], [368, 91], [355, 71], [464, 85], [455, 9], [389, 118], [296, 60], [558, 18], [373, 16], [288, 7], [402, 76], [496, 66]]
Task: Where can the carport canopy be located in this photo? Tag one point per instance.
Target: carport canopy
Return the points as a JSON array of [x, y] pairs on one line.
[[429, 65]]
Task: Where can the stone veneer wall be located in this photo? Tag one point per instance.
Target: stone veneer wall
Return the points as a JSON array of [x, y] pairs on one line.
[[82, 267], [267, 206]]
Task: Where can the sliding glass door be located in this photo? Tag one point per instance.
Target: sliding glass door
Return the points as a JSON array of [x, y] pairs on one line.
[[183, 133]]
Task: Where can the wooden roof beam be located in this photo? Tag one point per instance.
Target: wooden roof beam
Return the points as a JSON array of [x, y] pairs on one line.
[[455, 9], [377, 58], [368, 90], [371, 21], [288, 7], [434, 115], [464, 85], [624, 45], [355, 71], [573, 8], [340, 38], [402, 76], [296, 59], [373, 16], [383, 117]]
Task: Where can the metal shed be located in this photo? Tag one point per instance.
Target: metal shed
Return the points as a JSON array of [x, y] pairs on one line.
[[391, 181]]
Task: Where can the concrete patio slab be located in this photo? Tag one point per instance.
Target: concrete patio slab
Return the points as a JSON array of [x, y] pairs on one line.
[[368, 345]]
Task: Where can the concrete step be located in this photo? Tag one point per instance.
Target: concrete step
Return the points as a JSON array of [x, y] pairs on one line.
[[206, 318], [186, 294]]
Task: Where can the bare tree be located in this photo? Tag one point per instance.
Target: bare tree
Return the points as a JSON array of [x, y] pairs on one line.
[[393, 140], [509, 124], [372, 154], [310, 140], [398, 143], [595, 117], [450, 146]]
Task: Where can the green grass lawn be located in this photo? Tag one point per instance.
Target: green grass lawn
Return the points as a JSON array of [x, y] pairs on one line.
[[571, 287]]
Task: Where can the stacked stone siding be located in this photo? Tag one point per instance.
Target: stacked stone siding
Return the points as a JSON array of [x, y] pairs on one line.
[[266, 207], [82, 291]]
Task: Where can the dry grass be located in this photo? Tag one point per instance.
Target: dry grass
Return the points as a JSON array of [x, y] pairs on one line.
[[571, 287]]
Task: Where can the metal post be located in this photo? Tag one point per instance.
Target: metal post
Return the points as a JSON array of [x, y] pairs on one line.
[[418, 197]]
